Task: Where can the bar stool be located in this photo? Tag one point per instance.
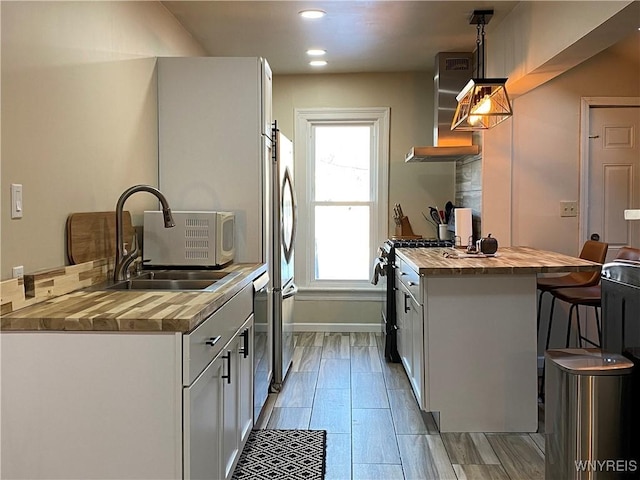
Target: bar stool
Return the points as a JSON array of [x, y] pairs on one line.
[[586, 296], [576, 297], [590, 296], [591, 250]]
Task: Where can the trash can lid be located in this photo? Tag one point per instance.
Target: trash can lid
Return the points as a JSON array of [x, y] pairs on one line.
[[589, 361]]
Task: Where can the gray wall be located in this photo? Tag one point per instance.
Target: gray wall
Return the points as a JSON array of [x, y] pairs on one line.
[[79, 115], [414, 185]]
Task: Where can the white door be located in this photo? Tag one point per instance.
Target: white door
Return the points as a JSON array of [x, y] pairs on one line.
[[614, 176]]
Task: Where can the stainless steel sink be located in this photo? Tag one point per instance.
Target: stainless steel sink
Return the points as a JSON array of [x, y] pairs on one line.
[[177, 280], [162, 284]]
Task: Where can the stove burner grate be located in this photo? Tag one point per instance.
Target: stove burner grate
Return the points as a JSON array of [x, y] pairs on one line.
[[419, 243]]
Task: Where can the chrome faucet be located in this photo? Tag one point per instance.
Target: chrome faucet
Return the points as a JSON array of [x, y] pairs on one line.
[[124, 259]]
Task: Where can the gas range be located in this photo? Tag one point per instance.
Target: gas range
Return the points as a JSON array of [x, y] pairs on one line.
[[387, 261]]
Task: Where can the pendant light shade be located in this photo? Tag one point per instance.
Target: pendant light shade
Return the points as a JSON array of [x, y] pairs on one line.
[[483, 103]]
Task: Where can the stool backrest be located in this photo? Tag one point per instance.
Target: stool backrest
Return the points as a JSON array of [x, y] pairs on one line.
[[628, 253], [594, 252]]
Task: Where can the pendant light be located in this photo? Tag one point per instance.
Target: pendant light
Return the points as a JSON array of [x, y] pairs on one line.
[[483, 103]]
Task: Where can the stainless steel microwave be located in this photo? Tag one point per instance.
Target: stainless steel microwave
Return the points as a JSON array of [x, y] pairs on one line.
[[199, 239]]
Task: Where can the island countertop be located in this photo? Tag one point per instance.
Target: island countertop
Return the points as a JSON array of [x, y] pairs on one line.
[[129, 311], [508, 260]]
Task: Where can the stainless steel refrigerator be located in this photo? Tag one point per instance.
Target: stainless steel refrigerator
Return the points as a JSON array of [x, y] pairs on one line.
[[284, 234], [218, 150]]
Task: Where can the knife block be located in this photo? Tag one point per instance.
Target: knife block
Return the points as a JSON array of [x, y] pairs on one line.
[[404, 229]]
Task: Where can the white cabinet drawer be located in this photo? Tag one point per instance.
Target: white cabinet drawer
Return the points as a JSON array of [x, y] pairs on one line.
[[209, 338], [410, 279]]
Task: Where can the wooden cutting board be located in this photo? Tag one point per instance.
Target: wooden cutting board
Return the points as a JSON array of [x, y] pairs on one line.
[[92, 235]]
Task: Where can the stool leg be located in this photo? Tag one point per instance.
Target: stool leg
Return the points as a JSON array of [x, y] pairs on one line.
[[546, 345], [539, 307], [599, 327], [569, 326], [580, 344]]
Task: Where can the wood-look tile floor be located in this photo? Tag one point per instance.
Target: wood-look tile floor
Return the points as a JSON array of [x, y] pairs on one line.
[[341, 383]]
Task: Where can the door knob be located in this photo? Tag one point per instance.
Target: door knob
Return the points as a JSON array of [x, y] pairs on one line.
[[595, 237]]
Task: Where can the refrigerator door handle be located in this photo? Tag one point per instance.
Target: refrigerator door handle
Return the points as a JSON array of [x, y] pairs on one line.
[[290, 292], [288, 243]]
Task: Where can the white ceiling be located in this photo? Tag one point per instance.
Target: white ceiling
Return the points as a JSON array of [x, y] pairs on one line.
[[359, 36]]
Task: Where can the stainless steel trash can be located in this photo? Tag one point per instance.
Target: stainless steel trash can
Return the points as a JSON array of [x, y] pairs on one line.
[[586, 415]]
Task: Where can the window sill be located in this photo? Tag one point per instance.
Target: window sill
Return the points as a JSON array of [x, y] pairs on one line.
[[340, 294]]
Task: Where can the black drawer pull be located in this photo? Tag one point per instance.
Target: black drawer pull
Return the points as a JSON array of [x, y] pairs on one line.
[[245, 343], [213, 340], [228, 375]]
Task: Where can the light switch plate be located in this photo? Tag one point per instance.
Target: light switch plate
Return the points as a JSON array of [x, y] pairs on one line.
[[568, 208], [632, 214], [16, 200]]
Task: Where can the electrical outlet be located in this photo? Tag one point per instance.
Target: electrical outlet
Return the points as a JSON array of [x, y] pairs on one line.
[[568, 209], [17, 272]]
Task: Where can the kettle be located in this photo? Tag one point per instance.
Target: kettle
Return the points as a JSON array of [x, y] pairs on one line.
[[488, 245]]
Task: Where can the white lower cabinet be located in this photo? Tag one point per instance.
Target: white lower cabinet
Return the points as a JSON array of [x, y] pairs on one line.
[[203, 416], [411, 333], [129, 405], [230, 416], [417, 352], [218, 413], [403, 334], [245, 369]]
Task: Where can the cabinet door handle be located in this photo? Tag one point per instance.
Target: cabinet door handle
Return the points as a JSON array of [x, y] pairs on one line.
[[228, 375], [412, 284], [245, 343], [213, 340], [406, 307]]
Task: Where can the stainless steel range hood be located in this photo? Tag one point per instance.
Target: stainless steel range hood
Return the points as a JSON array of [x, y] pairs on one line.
[[453, 71]]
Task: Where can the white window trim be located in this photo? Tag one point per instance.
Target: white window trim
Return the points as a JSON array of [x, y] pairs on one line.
[[305, 118]]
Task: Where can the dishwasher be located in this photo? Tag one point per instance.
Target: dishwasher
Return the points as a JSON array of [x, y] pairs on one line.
[[262, 350]]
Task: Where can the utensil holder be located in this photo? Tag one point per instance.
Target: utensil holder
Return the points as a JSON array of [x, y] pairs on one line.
[[443, 232]]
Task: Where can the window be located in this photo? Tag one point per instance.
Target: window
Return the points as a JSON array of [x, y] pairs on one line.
[[341, 171]]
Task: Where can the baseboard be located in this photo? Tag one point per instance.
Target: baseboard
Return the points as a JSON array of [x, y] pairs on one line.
[[337, 327]]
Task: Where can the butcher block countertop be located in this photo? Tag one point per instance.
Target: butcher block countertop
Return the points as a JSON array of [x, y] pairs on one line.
[[508, 260], [129, 311]]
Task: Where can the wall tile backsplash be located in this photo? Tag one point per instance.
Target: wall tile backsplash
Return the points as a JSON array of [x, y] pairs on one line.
[[469, 189]]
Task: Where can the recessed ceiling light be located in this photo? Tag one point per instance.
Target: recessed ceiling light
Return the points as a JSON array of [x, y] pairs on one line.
[[318, 63], [316, 52], [312, 13]]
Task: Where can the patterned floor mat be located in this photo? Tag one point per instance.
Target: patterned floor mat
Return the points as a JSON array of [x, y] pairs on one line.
[[283, 454]]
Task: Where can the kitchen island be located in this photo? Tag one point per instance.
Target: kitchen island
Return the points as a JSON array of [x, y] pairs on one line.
[[103, 383], [468, 335]]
